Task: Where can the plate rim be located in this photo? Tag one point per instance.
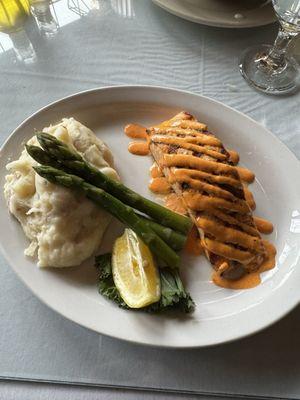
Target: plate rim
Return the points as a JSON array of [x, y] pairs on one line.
[[142, 341], [199, 20]]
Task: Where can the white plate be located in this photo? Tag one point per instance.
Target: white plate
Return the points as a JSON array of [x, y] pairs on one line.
[[222, 13], [221, 315]]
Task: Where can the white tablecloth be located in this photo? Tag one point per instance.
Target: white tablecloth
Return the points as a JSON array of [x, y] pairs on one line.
[[125, 42]]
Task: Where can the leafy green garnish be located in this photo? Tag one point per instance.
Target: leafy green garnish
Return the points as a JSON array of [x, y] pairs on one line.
[[106, 285], [173, 294]]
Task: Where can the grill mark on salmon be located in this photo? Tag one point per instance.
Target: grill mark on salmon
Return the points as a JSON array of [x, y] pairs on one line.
[[201, 172]]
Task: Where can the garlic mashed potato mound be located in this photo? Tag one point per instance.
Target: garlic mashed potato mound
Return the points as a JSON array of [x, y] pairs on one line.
[[64, 227]]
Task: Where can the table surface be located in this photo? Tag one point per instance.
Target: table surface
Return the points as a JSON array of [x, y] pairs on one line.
[[113, 42]]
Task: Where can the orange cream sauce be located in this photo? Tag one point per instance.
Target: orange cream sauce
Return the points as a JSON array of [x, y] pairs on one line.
[[250, 280], [138, 148], [245, 174], [155, 171], [249, 198], [160, 185], [135, 131], [193, 242], [196, 163], [175, 203], [202, 174], [234, 156], [263, 226], [190, 144]]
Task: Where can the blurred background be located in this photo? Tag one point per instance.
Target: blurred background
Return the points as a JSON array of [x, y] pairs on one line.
[[20, 19], [49, 49]]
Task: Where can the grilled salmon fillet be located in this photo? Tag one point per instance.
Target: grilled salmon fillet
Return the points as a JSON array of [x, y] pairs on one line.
[[199, 169]]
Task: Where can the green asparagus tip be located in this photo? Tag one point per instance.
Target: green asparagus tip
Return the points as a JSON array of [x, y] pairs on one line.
[[121, 211], [68, 158], [45, 135], [50, 173], [39, 155], [56, 147], [46, 171]]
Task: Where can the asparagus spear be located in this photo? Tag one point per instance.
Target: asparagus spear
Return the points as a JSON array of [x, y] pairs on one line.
[[75, 164], [115, 207], [174, 239]]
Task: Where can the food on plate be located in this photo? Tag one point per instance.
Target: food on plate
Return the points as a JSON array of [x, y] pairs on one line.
[[134, 271], [200, 178], [173, 296], [59, 155], [63, 190], [75, 164], [64, 227], [115, 207], [133, 279], [197, 166], [62, 157]]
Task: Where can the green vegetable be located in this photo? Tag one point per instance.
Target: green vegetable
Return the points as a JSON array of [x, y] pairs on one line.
[[173, 294], [115, 207], [106, 283], [75, 164], [174, 239]]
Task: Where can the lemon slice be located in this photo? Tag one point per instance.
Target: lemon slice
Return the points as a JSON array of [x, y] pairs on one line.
[[134, 271]]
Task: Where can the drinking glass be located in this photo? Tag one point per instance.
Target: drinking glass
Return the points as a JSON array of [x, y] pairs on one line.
[[13, 15], [269, 68], [46, 23]]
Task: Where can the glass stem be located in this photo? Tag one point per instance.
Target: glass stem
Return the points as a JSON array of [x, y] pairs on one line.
[[275, 61]]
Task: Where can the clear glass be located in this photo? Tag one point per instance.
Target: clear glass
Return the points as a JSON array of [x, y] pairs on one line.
[[23, 48], [13, 15], [46, 23], [270, 68]]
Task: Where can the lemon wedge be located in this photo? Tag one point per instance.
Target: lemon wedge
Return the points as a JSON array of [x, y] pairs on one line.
[[134, 271]]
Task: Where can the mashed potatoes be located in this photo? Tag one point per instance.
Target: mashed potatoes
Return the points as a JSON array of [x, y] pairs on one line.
[[64, 228]]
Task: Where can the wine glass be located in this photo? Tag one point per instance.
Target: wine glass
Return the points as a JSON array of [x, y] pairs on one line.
[[269, 68]]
